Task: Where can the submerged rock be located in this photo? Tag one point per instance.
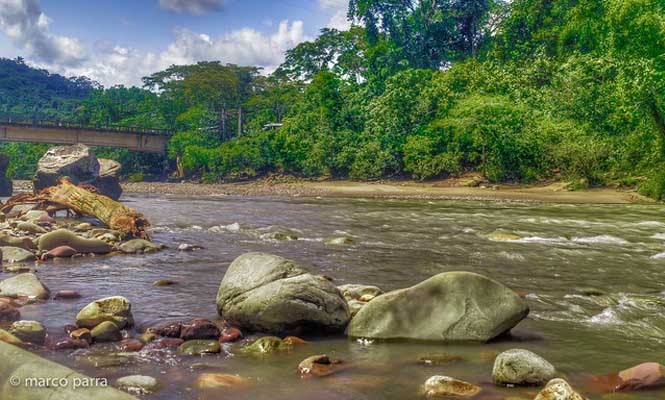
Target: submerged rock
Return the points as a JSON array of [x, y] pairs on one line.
[[221, 381], [342, 240], [521, 367], [68, 344], [63, 237], [139, 246], [199, 347], [644, 376], [451, 306], [114, 309], [29, 331], [138, 384], [11, 254], [267, 293], [558, 389], [24, 285], [439, 359], [67, 295], [318, 365], [444, 386], [503, 236], [266, 345], [131, 345]]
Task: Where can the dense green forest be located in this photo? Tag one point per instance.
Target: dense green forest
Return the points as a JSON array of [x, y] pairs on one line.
[[518, 91]]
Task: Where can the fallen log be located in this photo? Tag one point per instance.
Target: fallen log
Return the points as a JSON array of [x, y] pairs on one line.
[[67, 196]]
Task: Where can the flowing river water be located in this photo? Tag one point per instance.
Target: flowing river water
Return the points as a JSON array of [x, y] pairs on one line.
[[594, 274]]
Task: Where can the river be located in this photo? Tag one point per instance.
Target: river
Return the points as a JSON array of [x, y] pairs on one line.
[[566, 253]]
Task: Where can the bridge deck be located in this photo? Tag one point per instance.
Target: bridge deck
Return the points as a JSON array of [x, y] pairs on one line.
[[139, 139]]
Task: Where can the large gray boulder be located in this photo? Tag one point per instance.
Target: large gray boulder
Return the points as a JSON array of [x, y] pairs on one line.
[[267, 293], [80, 165], [451, 306], [76, 162]]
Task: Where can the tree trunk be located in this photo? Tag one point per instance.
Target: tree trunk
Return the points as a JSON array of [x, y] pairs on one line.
[[239, 121], [85, 202], [222, 123]]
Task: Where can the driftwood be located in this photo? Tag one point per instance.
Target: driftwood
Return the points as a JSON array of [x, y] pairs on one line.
[[84, 201]]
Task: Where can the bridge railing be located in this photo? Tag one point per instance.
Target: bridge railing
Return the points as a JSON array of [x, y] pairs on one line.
[[75, 126]]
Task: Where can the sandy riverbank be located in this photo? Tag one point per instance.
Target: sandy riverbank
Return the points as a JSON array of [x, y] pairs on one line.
[[442, 189]]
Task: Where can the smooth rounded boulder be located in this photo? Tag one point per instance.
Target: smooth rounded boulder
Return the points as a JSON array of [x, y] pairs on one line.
[[24, 285], [451, 306], [63, 237], [76, 162], [11, 254], [115, 309], [521, 367], [267, 293]]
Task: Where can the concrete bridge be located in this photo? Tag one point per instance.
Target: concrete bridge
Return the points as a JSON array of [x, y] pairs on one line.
[[139, 139]]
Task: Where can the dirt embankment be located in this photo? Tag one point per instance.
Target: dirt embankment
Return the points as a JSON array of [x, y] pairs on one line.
[[459, 189]]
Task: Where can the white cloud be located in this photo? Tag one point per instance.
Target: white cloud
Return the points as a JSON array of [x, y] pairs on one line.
[[28, 28], [196, 7], [111, 63], [339, 9]]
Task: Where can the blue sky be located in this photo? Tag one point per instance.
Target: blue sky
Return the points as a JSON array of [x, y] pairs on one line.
[[118, 42]]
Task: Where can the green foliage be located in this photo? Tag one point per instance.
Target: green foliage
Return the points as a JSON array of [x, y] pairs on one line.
[[136, 177], [519, 91]]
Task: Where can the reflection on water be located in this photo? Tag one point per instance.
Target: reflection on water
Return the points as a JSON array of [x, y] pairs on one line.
[[594, 275]]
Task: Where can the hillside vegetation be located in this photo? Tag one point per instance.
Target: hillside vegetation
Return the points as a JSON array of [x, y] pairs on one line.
[[519, 91]]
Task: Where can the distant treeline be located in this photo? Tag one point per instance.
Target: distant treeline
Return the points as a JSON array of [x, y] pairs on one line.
[[519, 91]]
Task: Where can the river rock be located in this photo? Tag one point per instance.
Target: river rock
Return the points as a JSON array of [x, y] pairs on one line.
[[131, 345], [451, 306], [67, 295], [107, 183], [68, 344], [61, 252], [354, 291], [199, 329], [6, 186], [22, 242], [318, 365], [29, 331], [12, 254], [558, 389], [230, 335], [9, 313], [24, 285], [644, 376], [444, 386], [341, 240], [189, 247], [521, 367], [266, 345], [139, 246], [199, 347], [76, 162], [81, 334], [221, 381], [138, 384], [9, 338], [115, 309], [63, 237], [107, 331], [267, 293], [164, 343], [29, 227]]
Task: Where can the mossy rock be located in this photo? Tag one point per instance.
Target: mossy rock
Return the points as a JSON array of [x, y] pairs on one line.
[[63, 237]]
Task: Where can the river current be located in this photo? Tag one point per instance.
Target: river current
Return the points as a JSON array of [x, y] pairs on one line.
[[594, 278]]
